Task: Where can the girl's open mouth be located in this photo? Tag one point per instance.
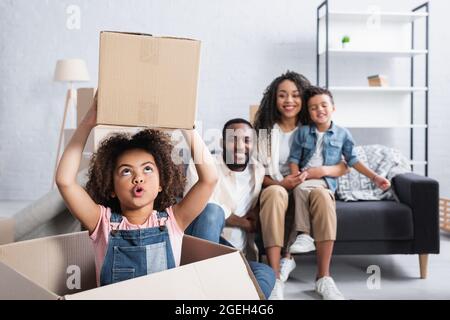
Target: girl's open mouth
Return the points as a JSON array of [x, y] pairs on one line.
[[138, 191]]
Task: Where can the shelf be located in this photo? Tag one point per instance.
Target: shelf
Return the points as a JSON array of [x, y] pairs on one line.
[[378, 89], [375, 53], [418, 163], [382, 126], [401, 17]]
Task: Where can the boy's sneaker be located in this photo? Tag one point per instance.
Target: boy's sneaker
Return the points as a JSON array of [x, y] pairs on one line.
[[303, 243], [326, 287], [278, 291], [286, 267]]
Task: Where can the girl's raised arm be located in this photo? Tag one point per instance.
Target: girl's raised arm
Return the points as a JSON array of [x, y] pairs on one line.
[[196, 199], [75, 196]]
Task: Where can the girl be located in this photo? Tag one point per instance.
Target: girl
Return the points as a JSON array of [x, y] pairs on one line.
[[128, 206]]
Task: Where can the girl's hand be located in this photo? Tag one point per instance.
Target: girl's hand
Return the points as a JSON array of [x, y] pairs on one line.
[[91, 116], [381, 182], [291, 181]]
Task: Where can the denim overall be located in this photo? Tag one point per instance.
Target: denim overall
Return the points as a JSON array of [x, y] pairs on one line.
[[135, 253]]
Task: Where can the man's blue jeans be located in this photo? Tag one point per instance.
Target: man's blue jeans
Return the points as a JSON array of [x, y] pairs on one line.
[[264, 275], [209, 224]]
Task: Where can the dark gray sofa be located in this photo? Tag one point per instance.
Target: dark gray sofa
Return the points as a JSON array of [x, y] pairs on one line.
[[390, 227]]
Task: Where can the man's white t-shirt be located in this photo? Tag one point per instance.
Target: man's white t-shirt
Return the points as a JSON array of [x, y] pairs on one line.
[[244, 188]]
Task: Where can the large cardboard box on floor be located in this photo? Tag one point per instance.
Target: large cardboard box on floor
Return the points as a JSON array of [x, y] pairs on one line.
[[6, 230], [62, 267], [147, 81]]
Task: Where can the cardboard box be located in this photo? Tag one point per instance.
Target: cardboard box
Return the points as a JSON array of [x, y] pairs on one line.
[[147, 81], [6, 230], [252, 112], [100, 132], [97, 135], [62, 267], [377, 81], [85, 96]]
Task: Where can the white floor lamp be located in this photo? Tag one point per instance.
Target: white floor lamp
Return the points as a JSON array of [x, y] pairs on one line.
[[69, 70]]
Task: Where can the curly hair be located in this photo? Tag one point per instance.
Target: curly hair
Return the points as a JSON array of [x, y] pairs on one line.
[[267, 114], [100, 185]]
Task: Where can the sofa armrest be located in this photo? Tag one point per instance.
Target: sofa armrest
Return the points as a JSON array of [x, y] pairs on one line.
[[421, 194]]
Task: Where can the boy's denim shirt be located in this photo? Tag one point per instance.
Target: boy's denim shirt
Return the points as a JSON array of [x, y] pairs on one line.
[[337, 142]]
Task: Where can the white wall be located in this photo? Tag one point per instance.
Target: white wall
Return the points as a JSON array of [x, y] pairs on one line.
[[245, 44]]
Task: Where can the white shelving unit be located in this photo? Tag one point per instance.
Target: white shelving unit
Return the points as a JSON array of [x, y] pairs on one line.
[[401, 17], [375, 53], [401, 90], [375, 36], [385, 126]]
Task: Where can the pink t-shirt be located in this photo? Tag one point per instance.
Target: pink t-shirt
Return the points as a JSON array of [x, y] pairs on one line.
[[100, 235]]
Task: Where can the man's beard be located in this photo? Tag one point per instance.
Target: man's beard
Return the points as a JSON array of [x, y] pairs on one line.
[[238, 166]]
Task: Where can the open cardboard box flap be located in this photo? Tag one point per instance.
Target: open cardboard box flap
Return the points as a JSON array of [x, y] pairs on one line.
[[62, 267]]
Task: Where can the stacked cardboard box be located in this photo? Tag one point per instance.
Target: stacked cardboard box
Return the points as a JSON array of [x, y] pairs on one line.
[[147, 81], [96, 136], [144, 81], [6, 230], [252, 112], [85, 97]]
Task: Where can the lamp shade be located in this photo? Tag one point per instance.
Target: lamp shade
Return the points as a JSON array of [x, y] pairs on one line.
[[71, 70]]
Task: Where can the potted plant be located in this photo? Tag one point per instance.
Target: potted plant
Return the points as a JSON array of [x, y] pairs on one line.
[[345, 41]]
